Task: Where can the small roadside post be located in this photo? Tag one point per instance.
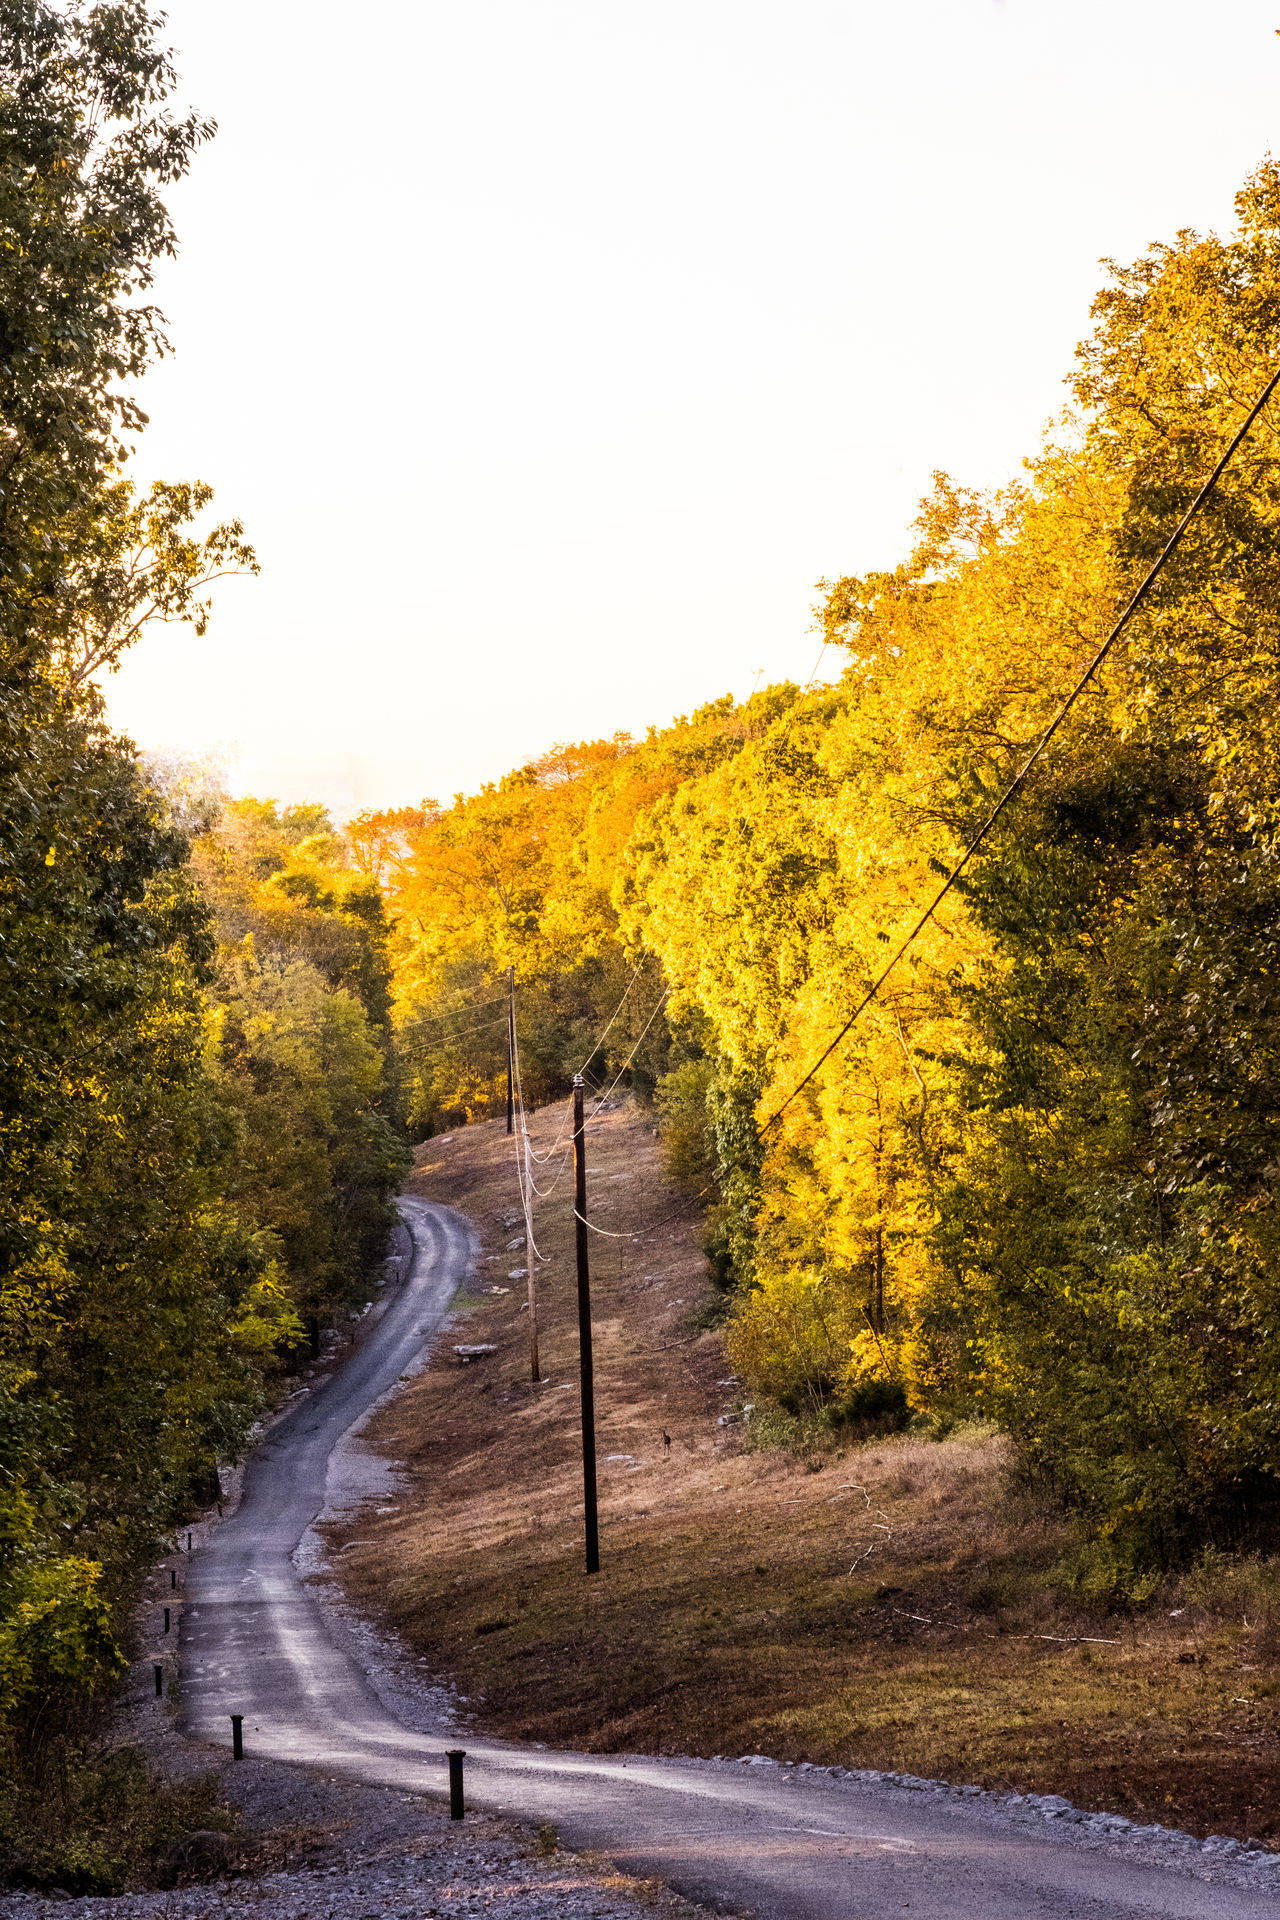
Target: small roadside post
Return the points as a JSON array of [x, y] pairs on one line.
[[455, 1756], [237, 1736], [586, 1369]]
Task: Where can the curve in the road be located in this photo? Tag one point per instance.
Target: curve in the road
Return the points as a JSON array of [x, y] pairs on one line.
[[801, 1846]]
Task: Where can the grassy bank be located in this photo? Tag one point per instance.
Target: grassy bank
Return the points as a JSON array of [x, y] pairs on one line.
[[891, 1604]]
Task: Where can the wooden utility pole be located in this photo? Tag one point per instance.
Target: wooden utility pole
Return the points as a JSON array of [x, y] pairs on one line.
[[533, 1294], [526, 1202], [511, 1049], [585, 1366]]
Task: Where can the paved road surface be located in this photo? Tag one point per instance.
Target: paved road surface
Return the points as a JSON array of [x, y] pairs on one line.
[[787, 1844]]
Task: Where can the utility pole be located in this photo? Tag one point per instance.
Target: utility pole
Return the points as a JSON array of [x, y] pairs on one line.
[[526, 1202], [533, 1290], [586, 1369], [511, 1049]]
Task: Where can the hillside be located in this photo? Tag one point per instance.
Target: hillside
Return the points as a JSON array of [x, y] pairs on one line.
[[889, 1603]]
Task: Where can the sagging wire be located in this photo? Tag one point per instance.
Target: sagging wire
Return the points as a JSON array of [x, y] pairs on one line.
[[566, 1161], [542, 1158], [590, 1224], [524, 1176], [663, 997], [1019, 780], [544, 1194], [681, 1207], [443, 1044], [599, 1040], [1009, 794], [439, 1019]]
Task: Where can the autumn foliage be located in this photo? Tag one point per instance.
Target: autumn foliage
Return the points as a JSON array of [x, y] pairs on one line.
[[1033, 1183], [1035, 1180]]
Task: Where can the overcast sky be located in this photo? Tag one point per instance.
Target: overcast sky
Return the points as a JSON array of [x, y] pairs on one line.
[[552, 350]]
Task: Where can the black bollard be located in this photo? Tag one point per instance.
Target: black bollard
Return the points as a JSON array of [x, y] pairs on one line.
[[237, 1736], [166, 1619], [455, 1756], [158, 1670]]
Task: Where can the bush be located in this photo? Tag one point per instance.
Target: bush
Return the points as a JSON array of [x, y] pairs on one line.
[[769, 1426], [790, 1337], [1242, 1588], [881, 1404], [688, 1148], [1111, 1574], [98, 1823]]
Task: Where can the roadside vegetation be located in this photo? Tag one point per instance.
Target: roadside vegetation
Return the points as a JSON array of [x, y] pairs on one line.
[[199, 1122]]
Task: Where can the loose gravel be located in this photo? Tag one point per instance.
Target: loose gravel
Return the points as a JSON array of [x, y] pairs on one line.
[[1220, 1859], [369, 1853]]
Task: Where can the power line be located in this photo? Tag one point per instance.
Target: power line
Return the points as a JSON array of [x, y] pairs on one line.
[[641, 1233], [545, 1194], [524, 1177], [524, 1173], [445, 1045], [439, 1019], [1019, 780], [595, 1110], [447, 1040], [1006, 798], [542, 1158], [1014, 787], [598, 1042], [662, 1001]]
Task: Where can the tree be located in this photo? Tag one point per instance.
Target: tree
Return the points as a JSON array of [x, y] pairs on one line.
[[128, 562], [86, 145], [1114, 1208], [121, 1277], [301, 1047]]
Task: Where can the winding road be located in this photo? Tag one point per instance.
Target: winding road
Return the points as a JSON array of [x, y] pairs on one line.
[[791, 1845]]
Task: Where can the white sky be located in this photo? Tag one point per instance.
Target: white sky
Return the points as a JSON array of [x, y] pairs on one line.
[[551, 350]]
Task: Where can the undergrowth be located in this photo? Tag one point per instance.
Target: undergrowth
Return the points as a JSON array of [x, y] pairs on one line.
[[98, 1822]]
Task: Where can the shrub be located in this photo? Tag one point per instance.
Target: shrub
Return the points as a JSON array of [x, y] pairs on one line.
[[878, 1404]]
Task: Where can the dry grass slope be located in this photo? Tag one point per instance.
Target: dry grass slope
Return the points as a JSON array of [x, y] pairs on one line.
[[886, 1604]]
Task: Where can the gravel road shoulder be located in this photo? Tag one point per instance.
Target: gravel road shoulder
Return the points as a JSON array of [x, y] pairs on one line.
[[320, 1848], [356, 1853]]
